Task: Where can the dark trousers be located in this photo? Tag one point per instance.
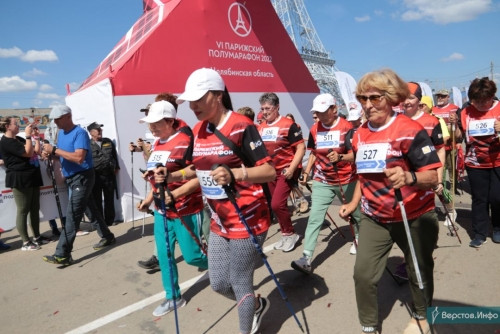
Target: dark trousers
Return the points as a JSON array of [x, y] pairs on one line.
[[104, 187], [484, 185], [375, 244], [80, 196]]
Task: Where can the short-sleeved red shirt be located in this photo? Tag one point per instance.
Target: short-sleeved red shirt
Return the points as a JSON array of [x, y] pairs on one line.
[[177, 152], [323, 139], [209, 150], [482, 150], [281, 137], [432, 126], [406, 144], [444, 113]]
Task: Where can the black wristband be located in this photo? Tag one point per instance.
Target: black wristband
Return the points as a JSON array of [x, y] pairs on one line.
[[28, 137], [414, 178], [54, 148]]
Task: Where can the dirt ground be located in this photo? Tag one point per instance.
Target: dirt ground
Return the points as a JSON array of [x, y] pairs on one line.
[[106, 292]]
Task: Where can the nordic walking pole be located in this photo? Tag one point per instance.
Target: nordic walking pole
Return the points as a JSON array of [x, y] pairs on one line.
[[132, 179], [50, 167], [350, 218], [231, 197], [453, 167], [451, 228], [399, 197], [144, 214], [196, 239], [145, 193], [161, 188]]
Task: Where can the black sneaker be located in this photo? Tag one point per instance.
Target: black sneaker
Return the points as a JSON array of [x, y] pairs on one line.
[[62, 261], [259, 313], [104, 243], [150, 264], [41, 240]]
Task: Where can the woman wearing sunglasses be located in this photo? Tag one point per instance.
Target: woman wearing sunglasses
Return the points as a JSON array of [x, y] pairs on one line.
[[392, 152]]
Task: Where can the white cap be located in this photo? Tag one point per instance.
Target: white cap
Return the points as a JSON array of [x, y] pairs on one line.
[[199, 83], [354, 115], [158, 111], [322, 102], [59, 111]]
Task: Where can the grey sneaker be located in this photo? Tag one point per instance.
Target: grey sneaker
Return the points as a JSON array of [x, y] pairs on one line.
[[259, 313], [280, 243], [105, 243], [290, 242], [168, 306], [303, 265]]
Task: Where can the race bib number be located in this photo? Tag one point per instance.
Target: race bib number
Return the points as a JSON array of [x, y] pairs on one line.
[[157, 157], [209, 187], [483, 127], [270, 134], [328, 139], [371, 158]]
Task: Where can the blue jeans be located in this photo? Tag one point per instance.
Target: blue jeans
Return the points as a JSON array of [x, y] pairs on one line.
[[79, 197]]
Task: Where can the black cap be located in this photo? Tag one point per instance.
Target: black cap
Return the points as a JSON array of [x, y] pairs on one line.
[[94, 125]]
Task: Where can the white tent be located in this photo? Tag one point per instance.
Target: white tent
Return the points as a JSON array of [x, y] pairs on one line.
[[245, 42]]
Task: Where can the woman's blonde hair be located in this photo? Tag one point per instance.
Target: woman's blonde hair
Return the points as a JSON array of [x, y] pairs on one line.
[[386, 80]]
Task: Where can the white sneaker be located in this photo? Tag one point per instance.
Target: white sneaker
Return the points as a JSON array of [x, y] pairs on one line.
[[30, 246], [353, 249], [280, 243], [168, 306], [452, 215], [303, 265], [290, 241], [259, 313]]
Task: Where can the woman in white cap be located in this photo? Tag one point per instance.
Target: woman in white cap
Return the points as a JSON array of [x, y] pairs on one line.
[[327, 145], [232, 257], [184, 214]]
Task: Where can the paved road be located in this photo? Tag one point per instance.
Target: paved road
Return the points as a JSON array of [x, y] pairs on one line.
[[106, 292]]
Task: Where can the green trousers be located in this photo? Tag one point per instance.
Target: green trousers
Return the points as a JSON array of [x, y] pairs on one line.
[[27, 202], [375, 244], [322, 197]]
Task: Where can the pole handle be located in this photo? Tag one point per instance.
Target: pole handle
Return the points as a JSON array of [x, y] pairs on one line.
[[399, 196]]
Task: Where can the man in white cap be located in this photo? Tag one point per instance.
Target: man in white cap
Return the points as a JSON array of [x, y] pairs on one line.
[[77, 166]]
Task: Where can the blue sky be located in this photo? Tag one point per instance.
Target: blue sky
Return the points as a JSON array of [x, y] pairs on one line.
[[48, 44]]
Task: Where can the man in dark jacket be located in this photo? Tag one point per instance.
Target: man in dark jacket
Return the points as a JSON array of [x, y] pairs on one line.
[[105, 166]]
